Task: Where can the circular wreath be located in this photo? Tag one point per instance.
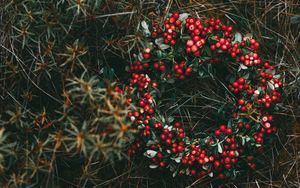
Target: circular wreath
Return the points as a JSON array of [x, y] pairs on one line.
[[186, 46]]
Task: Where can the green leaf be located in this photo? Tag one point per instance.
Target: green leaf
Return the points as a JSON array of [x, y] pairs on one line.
[[242, 67], [272, 71], [213, 38], [170, 119], [243, 140], [230, 123], [160, 43], [153, 166], [201, 73], [171, 81], [220, 149], [183, 16], [246, 51], [207, 51], [145, 28], [246, 76], [237, 37], [108, 73], [159, 54], [221, 109], [150, 153], [271, 86], [174, 174]]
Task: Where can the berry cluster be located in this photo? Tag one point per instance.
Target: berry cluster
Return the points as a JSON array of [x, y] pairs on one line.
[[156, 30], [250, 59], [159, 66], [223, 44], [140, 80], [254, 45], [196, 156], [167, 139], [194, 45], [238, 85], [172, 27], [138, 66], [181, 71], [134, 148], [256, 89], [234, 51], [146, 53], [228, 157], [268, 99], [223, 130]]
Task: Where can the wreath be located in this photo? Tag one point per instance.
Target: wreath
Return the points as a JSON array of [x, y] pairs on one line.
[[189, 47]]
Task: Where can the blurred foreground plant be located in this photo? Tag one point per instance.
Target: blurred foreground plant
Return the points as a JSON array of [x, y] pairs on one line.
[[93, 127]]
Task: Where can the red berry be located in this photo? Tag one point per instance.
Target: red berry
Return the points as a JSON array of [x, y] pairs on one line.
[[217, 164], [228, 131], [179, 148], [217, 132], [146, 55], [194, 48], [162, 164], [213, 47], [154, 34], [190, 43], [221, 176], [188, 70], [241, 101], [223, 128], [241, 80]]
